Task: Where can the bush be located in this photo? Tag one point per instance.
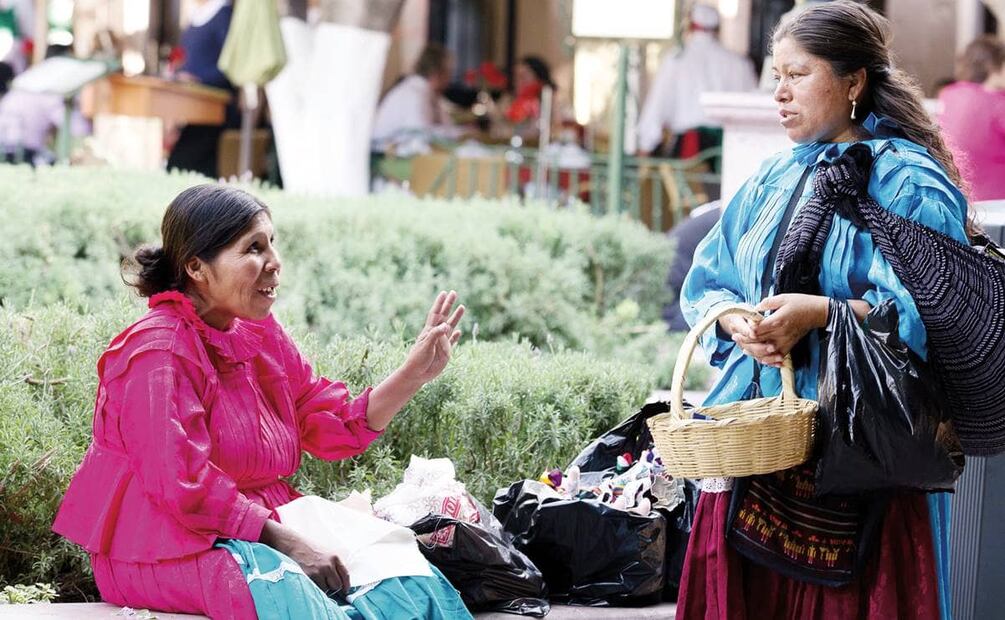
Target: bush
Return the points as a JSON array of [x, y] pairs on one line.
[[545, 275], [21, 594], [563, 336], [502, 411]]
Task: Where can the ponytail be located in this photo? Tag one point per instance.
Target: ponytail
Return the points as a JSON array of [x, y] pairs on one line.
[[153, 272]]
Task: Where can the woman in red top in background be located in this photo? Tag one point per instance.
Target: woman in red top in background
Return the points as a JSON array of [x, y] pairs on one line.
[[530, 77]]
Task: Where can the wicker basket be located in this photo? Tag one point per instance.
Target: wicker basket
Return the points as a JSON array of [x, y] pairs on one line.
[[738, 439]]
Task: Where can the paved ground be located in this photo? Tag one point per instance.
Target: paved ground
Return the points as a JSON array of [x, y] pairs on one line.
[[101, 611]]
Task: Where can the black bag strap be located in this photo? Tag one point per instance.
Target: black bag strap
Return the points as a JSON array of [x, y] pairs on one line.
[[768, 276]]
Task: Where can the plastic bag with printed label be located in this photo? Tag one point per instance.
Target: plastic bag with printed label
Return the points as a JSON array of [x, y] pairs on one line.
[[429, 486]]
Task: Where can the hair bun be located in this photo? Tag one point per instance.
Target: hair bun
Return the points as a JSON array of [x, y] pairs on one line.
[[155, 274]]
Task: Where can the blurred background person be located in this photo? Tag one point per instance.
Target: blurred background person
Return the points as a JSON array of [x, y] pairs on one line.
[[671, 121], [16, 23], [197, 146], [30, 121], [972, 117], [414, 109], [685, 238], [530, 76]]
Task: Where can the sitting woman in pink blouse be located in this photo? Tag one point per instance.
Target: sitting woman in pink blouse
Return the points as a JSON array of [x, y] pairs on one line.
[[204, 406]]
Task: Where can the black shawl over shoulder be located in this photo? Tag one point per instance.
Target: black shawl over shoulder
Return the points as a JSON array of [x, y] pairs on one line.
[[959, 291]]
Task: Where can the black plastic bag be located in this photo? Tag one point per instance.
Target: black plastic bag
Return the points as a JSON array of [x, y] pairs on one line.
[[883, 421], [488, 571], [590, 553], [632, 436]]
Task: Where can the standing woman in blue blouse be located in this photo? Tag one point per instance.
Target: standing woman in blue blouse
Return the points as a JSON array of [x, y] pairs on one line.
[[836, 86]]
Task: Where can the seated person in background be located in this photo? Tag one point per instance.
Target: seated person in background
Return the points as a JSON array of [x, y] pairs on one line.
[[198, 145], [673, 102], [17, 22], [530, 77], [28, 123], [413, 108], [686, 236], [972, 117], [204, 407]]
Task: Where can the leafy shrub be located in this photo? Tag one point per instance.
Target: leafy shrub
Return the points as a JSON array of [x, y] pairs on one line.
[[545, 275], [21, 594], [563, 331], [502, 411]]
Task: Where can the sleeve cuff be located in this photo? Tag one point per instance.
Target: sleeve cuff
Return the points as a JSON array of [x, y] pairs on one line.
[[250, 526], [357, 411], [716, 343]]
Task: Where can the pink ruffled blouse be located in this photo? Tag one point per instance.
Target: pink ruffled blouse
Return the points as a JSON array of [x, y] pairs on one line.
[[194, 431]]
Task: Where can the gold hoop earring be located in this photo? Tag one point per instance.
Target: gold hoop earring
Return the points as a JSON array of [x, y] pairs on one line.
[[854, 104]]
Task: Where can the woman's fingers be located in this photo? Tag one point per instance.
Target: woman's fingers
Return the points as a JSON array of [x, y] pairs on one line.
[[771, 360], [441, 308], [774, 324], [455, 337], [747, 329], [455, 318], [324, 577], [765, 354], [759, 350], [436, 310], [343, 574], [748, 343]]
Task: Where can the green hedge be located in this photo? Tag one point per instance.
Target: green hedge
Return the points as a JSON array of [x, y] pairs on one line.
[[562, 338], [549, 276], [502, 411]]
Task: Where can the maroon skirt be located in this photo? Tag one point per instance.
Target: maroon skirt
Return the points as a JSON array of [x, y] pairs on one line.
[[899, 581]]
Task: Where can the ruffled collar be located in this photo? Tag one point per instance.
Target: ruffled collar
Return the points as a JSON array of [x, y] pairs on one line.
[[878, 127], [240, 343]]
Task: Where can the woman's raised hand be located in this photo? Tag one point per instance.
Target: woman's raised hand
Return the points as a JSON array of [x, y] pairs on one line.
[[431, 352]]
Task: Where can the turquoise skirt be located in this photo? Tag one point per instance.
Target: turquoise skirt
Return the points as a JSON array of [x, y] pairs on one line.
[[282, 591]]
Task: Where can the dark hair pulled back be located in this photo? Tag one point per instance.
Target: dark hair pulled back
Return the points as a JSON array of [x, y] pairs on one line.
[[199, 223], [539, 67], [851, 36]]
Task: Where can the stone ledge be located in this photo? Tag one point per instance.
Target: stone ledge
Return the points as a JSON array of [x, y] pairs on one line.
[[102, 611]]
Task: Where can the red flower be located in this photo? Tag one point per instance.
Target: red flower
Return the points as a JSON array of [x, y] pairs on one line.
[[177, 56], [487, 75], [495, 77]]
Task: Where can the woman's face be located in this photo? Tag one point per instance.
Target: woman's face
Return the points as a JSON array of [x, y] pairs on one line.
[[242, 280], [814, 104], [523, 76]]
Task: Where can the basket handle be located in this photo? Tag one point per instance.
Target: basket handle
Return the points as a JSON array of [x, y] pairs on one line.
[[691, 342]]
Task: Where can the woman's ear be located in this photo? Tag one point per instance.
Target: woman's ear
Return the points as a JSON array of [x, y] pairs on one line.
[[857, 86], [195, 269]]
